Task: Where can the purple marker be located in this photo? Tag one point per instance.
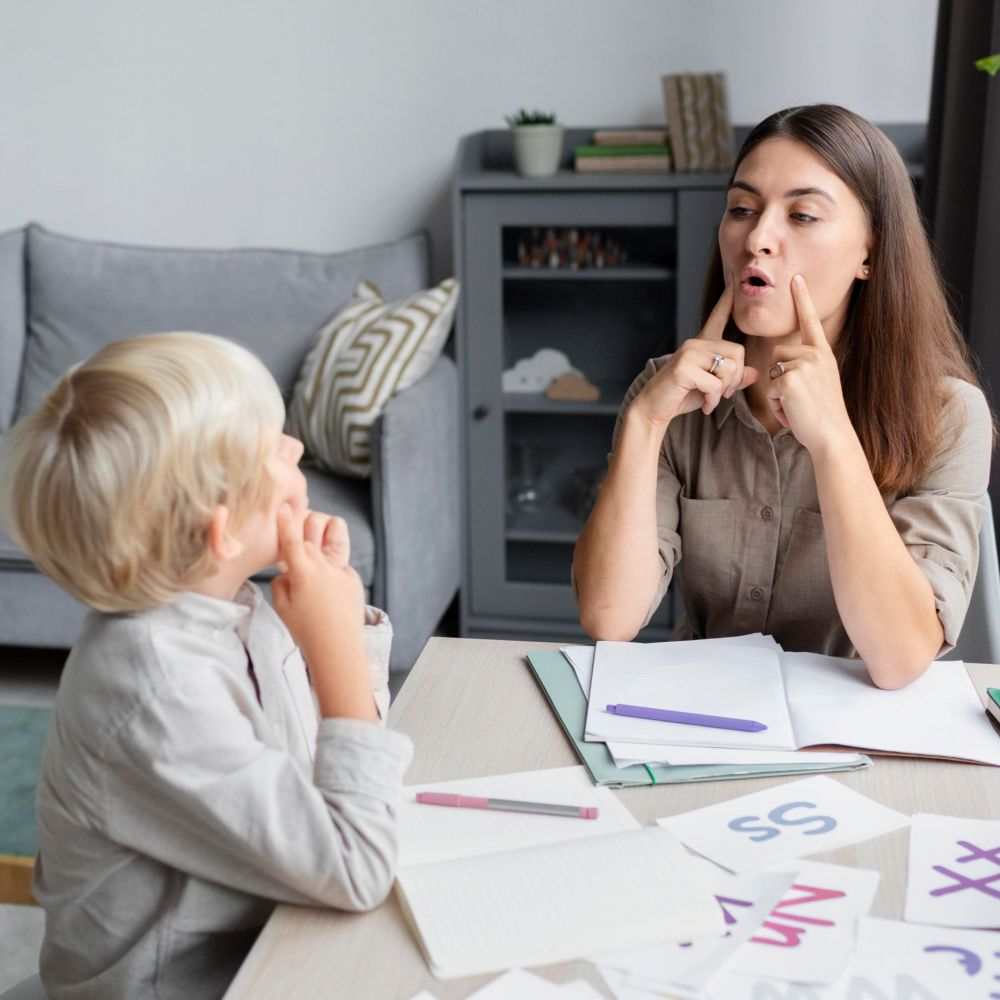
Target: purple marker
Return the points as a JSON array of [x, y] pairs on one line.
[[687, 718]]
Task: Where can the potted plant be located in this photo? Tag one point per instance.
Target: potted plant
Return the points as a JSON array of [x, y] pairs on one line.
[[538, 142]]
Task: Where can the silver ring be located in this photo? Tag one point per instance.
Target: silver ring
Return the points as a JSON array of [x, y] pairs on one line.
[[716, 364], [780, 365]]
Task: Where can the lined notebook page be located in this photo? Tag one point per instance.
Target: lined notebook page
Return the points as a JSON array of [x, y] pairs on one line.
[[939, 714], [556, 902], [438, 833], [709, 676]]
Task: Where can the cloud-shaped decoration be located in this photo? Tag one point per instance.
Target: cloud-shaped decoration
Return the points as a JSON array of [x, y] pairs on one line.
[[536, 373]]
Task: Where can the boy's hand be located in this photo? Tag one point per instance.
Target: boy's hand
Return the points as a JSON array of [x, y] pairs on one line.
[[329, 535], [319, 596]]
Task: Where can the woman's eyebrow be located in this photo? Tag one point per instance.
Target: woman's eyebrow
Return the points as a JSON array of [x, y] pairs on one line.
[[794, 193]]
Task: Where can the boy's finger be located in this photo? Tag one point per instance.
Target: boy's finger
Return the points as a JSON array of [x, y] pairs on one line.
[[290, 540], [337, 540], [809, 322], [315, 526]]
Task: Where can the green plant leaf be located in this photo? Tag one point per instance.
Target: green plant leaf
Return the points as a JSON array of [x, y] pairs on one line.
[[525, 117], [989, 64]]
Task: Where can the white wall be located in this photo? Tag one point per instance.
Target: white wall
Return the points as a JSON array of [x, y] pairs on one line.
[[325, 124]]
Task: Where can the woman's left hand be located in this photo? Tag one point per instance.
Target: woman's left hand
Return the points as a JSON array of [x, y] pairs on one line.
[[806, 395]]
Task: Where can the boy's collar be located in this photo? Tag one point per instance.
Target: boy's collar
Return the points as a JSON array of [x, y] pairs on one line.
[[201, 611]]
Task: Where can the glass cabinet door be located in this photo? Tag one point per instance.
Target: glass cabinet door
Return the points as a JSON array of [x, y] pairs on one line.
[[594, 278]]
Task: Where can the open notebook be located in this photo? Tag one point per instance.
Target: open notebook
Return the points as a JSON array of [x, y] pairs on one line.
[[487, 890], [804, 699]]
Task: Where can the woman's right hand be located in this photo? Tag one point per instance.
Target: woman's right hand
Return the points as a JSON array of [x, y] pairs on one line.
[[687, 382]]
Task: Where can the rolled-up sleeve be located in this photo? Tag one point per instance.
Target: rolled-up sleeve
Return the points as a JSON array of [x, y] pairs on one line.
[[939, 522], [668, 489], [378, 643]]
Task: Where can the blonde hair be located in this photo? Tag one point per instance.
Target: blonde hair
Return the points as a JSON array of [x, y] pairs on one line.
[[112, 483]]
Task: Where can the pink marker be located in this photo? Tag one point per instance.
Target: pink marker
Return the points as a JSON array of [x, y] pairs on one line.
[[508, 805]]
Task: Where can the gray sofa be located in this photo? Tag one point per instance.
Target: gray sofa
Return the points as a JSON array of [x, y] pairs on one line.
[[62, 298]]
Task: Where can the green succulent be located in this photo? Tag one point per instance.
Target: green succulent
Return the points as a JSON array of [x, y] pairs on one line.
[[536, 117], [989, 64]]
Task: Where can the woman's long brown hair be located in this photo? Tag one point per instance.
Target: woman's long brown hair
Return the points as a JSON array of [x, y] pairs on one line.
[[900, 341]]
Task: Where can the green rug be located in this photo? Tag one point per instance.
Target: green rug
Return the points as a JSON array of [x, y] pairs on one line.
[[22, 736]]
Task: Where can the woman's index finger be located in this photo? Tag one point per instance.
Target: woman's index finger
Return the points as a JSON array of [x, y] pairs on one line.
[[810, 324], [715, 325]]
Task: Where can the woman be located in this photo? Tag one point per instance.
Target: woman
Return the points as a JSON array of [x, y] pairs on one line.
[[813, 462]]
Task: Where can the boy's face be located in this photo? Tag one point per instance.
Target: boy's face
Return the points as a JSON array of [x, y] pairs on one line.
[[260, 533]]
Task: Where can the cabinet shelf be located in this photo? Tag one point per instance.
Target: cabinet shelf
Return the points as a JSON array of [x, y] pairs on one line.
[[553, 525], [637, 272], [537, 402]]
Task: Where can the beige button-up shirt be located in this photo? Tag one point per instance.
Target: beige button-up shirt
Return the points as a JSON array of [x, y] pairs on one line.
[[738, 518], [187, 785]]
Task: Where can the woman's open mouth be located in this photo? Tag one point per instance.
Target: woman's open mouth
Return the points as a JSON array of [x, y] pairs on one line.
[[755, 284]]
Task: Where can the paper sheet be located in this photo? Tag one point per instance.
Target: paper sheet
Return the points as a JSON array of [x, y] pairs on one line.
[[437, 833], [517, 984], [787, 821], [737, 987], [581, 658], [954, 872], [683, 969], [809, 936], [556, 902], [725, 677], [940, 714], [897, 959], [655, 753], [829, 701]]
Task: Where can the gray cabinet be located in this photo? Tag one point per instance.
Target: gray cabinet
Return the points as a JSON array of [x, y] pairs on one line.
[[526, 456]]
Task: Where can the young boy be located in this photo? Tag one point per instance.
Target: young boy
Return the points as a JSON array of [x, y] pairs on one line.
[[187, 783]]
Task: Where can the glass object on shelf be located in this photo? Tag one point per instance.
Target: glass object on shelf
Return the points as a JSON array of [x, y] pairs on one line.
[[571, 248], [526, 490]]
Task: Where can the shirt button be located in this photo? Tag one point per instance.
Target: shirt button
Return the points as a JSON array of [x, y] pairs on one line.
[[757, 594], [766, 514]]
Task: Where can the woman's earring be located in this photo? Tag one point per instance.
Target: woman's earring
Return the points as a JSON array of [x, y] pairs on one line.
[[865, 272]]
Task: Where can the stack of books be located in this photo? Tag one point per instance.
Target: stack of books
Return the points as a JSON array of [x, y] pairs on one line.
[[625, 151], [701, 134]]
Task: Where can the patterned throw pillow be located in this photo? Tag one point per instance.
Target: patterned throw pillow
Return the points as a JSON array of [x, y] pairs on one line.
[[368, 352]]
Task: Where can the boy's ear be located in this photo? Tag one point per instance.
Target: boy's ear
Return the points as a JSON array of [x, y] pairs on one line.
[[224, 546]]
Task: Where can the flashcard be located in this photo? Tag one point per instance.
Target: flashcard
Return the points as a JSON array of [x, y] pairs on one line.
[[682, 970], [809, 936], [954, 872], [519, 984], [783, 822], [896, 959], [736, 987]]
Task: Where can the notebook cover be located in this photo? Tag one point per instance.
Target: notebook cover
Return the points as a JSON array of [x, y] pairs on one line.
[[557, 680]]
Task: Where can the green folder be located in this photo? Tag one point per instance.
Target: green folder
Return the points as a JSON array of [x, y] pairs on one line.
[[557, 679]]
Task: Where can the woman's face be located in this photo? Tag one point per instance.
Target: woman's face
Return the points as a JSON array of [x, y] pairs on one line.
[[788, 213]]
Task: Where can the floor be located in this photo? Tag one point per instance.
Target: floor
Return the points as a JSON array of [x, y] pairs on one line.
[[27, 677], [31, 677]]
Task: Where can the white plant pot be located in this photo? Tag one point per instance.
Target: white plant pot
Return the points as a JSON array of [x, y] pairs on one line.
[[537, 149]]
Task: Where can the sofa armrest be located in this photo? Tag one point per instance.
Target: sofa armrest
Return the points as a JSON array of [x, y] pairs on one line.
[[416, 509]]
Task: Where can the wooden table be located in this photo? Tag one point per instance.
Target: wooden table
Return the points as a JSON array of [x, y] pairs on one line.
[[473, 708]]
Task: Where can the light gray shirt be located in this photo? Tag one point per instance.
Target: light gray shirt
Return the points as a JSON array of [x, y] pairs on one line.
[[188, 785], [738, 519]]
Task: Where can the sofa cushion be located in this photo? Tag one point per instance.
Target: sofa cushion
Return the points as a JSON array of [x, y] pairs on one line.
[[13, 321], [83, 294], [368, 352]]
